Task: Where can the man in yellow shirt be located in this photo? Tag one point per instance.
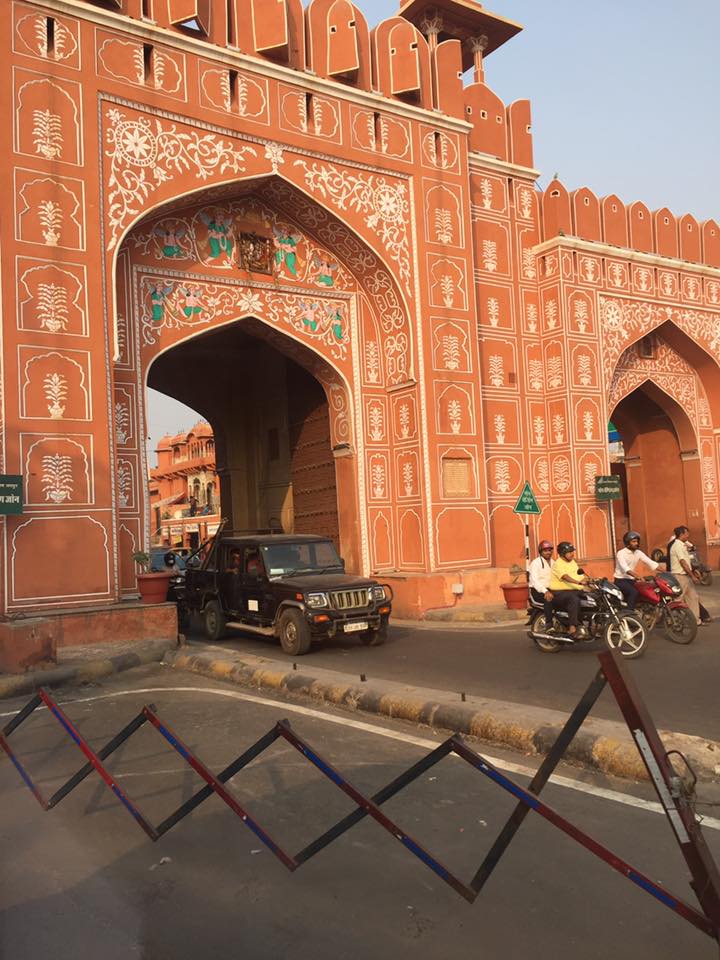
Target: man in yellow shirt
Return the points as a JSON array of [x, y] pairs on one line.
[[566, 583]]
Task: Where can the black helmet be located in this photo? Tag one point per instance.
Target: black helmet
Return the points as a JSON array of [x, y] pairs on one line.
[[630, 535], [565, 547], [170, 559]]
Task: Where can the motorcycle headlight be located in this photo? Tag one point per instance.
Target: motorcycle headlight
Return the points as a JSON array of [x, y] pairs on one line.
[[676, 590], [316, 600], [378, 592]]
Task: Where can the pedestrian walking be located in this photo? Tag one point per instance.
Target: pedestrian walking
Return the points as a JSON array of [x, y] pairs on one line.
[[681, 567]]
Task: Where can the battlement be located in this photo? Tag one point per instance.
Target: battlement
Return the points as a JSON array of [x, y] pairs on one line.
[[416, 58], [579, 213]]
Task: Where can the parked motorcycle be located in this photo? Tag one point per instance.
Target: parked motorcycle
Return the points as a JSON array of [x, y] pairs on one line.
[[601, 617], [659, 602]]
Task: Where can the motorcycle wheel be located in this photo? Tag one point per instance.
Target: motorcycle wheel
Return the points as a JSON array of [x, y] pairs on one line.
[[658, 555], [647, 614], [706, 578], [537, 625], [627, 637], [680, 625]]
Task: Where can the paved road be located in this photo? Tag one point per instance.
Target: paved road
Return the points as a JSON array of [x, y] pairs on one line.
[[83, 880], [679, 683]]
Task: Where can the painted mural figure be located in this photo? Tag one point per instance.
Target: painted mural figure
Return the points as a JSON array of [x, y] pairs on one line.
[[334, 320], [158, 298], [170, 237], [324, 270], [219, 235], [309, 315], [193, 304], [286, 250]]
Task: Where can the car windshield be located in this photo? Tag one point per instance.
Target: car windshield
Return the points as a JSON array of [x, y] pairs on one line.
[[314, 556], [158, 565]]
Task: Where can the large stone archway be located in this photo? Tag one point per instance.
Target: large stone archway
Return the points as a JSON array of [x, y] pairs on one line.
[[248, 266]]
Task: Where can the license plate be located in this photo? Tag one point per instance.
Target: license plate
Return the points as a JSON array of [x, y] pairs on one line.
[[355, 627]]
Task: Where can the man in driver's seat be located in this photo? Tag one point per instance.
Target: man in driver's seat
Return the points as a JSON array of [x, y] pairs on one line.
[[566, 584]]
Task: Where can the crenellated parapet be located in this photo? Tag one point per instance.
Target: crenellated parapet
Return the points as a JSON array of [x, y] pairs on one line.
[[580, 213], [417, 57]]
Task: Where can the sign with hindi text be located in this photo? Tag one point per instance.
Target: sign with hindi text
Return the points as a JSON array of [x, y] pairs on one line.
[[608, 488], [11, 495]]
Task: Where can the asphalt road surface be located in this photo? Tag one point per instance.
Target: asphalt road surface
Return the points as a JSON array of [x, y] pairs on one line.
[[679, 683], [83, 880]]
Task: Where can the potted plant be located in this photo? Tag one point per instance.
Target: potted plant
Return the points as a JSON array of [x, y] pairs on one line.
[[516, 593], [153, 587]]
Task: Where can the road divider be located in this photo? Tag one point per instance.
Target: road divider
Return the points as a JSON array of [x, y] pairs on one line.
[[603, 745]]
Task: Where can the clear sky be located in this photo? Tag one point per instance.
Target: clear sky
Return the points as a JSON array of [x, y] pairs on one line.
[[624, 96]]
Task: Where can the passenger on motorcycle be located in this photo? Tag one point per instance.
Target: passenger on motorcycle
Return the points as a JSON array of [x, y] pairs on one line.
[[626, 561], [540, 574], [566, 583]]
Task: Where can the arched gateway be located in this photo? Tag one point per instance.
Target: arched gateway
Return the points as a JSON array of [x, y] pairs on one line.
[[320, 239]]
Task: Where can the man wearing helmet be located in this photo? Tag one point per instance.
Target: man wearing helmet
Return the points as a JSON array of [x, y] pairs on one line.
[[626, 561], [566, 583], [539, 577]]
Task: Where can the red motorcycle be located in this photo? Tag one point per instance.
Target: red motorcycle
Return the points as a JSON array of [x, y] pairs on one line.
[[659, 601]]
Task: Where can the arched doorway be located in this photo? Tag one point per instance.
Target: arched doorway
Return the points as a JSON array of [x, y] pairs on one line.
[[271, 425], [659, 463]]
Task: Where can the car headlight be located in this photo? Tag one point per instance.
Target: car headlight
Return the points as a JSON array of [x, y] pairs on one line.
[[316, 600], [378, 592]]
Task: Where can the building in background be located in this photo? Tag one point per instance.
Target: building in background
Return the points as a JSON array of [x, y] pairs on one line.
[[184, 501]]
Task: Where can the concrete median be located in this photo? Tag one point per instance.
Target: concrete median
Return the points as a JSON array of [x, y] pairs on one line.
[[603, 745], [85, 669]]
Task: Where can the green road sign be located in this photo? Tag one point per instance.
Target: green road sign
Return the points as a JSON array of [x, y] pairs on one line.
[[608, 488], [11, 495], [527, 502]]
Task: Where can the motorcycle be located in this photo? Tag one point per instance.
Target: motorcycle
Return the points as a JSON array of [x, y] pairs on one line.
[[601, 617], [659, 601]]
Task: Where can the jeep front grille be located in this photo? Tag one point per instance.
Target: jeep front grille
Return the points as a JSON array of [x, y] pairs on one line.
[[349, 599]]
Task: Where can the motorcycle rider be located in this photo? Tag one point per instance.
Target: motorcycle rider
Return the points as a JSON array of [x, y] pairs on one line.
[[626, 561], [566, 582], [539, 576]]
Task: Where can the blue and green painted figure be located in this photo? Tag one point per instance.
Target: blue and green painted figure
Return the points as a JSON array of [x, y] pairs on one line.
[[286, 249], [158, 296], [219, 235]]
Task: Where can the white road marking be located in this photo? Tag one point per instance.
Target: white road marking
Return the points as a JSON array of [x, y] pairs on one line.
[[613, 795]]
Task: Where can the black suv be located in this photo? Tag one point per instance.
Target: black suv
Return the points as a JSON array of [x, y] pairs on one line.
[[291, 587]]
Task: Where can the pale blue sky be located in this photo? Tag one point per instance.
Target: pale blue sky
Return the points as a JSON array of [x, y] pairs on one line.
[[625, 100]]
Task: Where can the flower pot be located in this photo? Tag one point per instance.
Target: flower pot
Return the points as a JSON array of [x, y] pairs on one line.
[[153, 587], [516, 595]]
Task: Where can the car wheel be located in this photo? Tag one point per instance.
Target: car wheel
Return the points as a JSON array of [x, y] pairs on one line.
[[294, 633], [214, 620], [375, 638]]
